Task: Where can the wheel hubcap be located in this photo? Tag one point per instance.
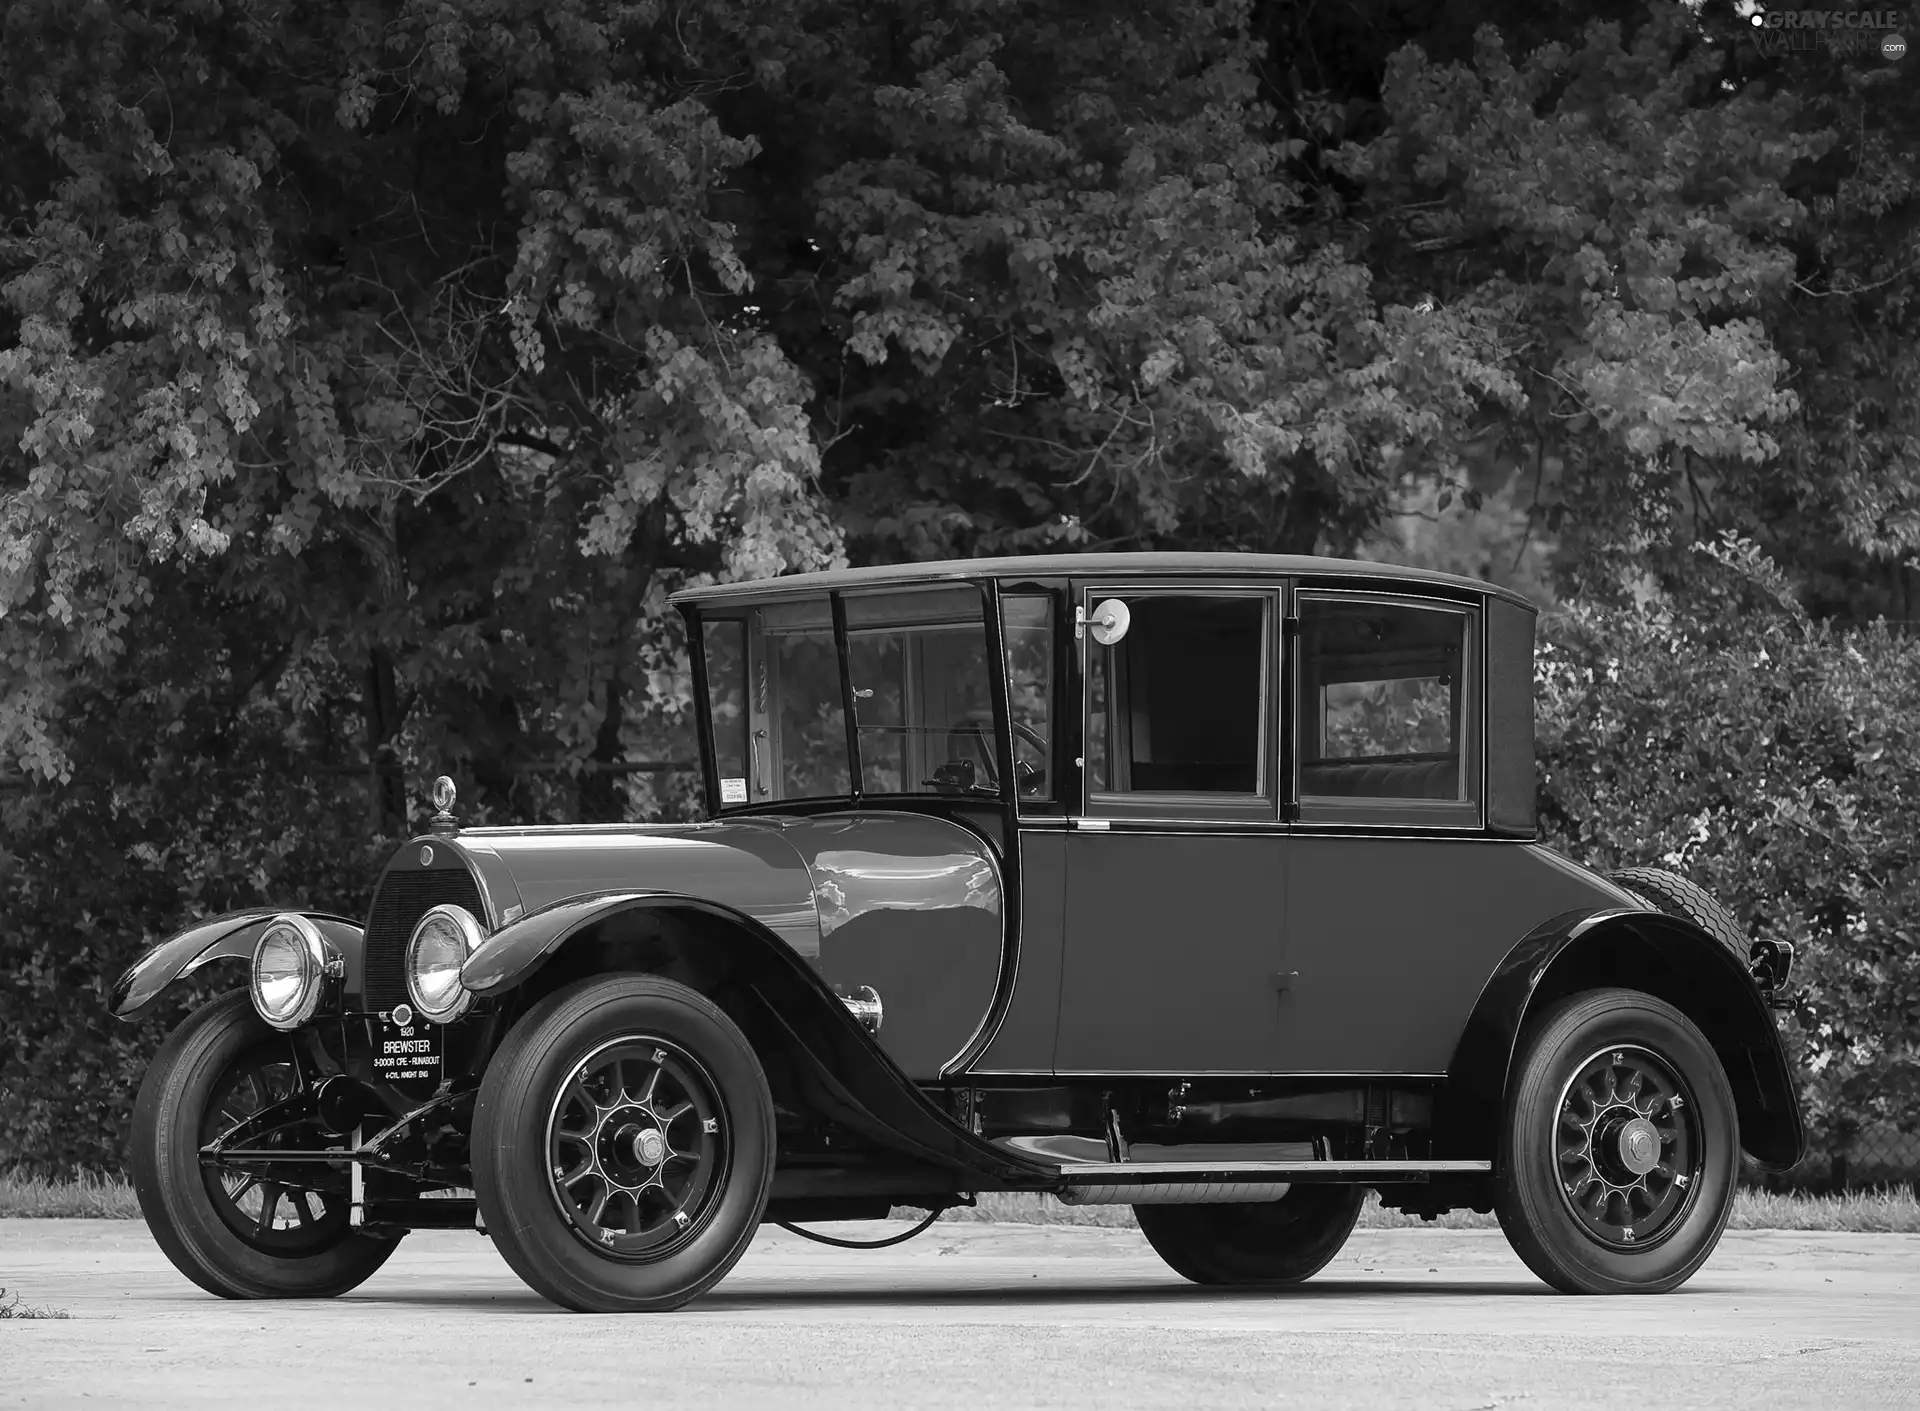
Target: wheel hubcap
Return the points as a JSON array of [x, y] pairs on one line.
[[1628, 1147], [636, 1147], [1639, 1146]]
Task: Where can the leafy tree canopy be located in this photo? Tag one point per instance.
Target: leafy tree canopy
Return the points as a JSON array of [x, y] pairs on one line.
[[370, 371]]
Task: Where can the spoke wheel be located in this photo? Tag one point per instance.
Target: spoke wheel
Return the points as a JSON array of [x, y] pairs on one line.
[[1620, 1146], [1628, 1147], [623, 1145], [274, 1232], [293, 1210], [637, 1145]]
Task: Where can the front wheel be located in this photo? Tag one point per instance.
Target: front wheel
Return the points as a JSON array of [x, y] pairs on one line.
[[1620, 1147], [258, 1231], [623, 1145], [1266, 1242]]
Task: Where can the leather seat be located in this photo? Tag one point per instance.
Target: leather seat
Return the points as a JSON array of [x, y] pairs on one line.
[[1383, 779]]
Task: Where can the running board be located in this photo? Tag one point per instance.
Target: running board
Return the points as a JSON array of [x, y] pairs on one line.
[[1241, 1183], [1078, 1171], [1081, 1159]]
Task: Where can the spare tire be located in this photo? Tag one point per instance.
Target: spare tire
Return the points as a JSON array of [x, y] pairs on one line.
[[1673, 895]]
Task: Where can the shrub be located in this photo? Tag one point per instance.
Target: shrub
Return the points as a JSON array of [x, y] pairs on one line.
[[1776, 761]]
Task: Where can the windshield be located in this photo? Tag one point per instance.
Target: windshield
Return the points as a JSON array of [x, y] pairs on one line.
[[920, 675]]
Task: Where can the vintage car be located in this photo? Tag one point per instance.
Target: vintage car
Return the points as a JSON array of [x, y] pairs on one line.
[[1203, 883]]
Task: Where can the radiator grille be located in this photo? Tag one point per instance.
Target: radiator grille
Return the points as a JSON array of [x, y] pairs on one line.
[[405, 895]]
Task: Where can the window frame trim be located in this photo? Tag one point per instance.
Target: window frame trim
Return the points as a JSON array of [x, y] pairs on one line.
[[1364, 813], [1262, 806]]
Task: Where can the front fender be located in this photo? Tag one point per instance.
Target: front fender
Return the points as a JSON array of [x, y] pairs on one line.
[[230, 936], [812, 1026], [1627, 948], [512, 954]]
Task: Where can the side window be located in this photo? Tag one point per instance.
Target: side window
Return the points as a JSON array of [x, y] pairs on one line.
[[1026, 629], [726, 662], [1175, 705], [922, 683], [1385, 708], [809, 726]]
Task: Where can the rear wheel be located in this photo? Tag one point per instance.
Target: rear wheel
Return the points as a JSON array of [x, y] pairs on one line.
[[623, 1145], [1620, 1148], [262, 1231], [1268, 1242]]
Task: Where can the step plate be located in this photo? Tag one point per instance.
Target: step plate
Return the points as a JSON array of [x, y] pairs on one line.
[[1079, 1172]]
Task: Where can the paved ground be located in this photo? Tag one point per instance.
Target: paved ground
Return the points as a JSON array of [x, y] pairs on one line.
[[979, 1316]]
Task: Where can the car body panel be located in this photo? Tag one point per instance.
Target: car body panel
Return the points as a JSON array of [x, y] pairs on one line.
[[1024, 1041], [912, 907], [1400, 934], [230, 936], [748, 865], [1171, 944], [1171, 565], [909, 905]]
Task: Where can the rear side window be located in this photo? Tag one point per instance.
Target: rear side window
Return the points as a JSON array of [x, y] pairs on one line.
[[1386, 702]]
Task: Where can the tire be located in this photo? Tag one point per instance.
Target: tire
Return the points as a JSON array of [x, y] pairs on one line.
[[545, 1149], [223, 1231], [1570, 1121], [1269, 1242], [1673, 895]]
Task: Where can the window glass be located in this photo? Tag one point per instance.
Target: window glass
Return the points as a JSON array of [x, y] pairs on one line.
[[922, 683], [726, 660], [807, 724], [1383, 700], [1026, 628], [1174, 706]]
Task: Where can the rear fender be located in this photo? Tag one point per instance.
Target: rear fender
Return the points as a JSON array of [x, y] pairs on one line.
[[724, 952], [227, 937], [1665, 956]]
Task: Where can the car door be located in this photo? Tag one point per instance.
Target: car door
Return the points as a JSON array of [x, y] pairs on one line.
[[1175, 890], [1394, 897]]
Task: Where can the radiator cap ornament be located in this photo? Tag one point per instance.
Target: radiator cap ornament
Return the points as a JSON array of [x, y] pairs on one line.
[[443, 797]]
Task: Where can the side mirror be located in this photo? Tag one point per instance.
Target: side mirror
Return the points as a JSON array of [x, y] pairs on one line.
[[1110, 622]]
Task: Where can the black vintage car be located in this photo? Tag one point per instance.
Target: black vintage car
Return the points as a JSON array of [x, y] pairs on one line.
[[1204, 883]]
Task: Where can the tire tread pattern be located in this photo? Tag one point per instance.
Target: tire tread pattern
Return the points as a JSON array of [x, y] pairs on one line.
[[1526, 1195], [1673, 895], [172, 1192], [508, 1145]]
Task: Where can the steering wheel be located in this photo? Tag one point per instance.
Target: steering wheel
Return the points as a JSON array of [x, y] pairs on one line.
[[974, 729]]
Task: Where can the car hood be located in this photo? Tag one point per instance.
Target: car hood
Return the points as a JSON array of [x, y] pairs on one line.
[[746, 865]]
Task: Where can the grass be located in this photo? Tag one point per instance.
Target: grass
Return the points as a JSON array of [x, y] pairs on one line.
[[12, 1307], [88, 1197], [1895, 1211], [1857, 1212]]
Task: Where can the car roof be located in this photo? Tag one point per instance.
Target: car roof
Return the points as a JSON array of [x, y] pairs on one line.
[[1095, 565]]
